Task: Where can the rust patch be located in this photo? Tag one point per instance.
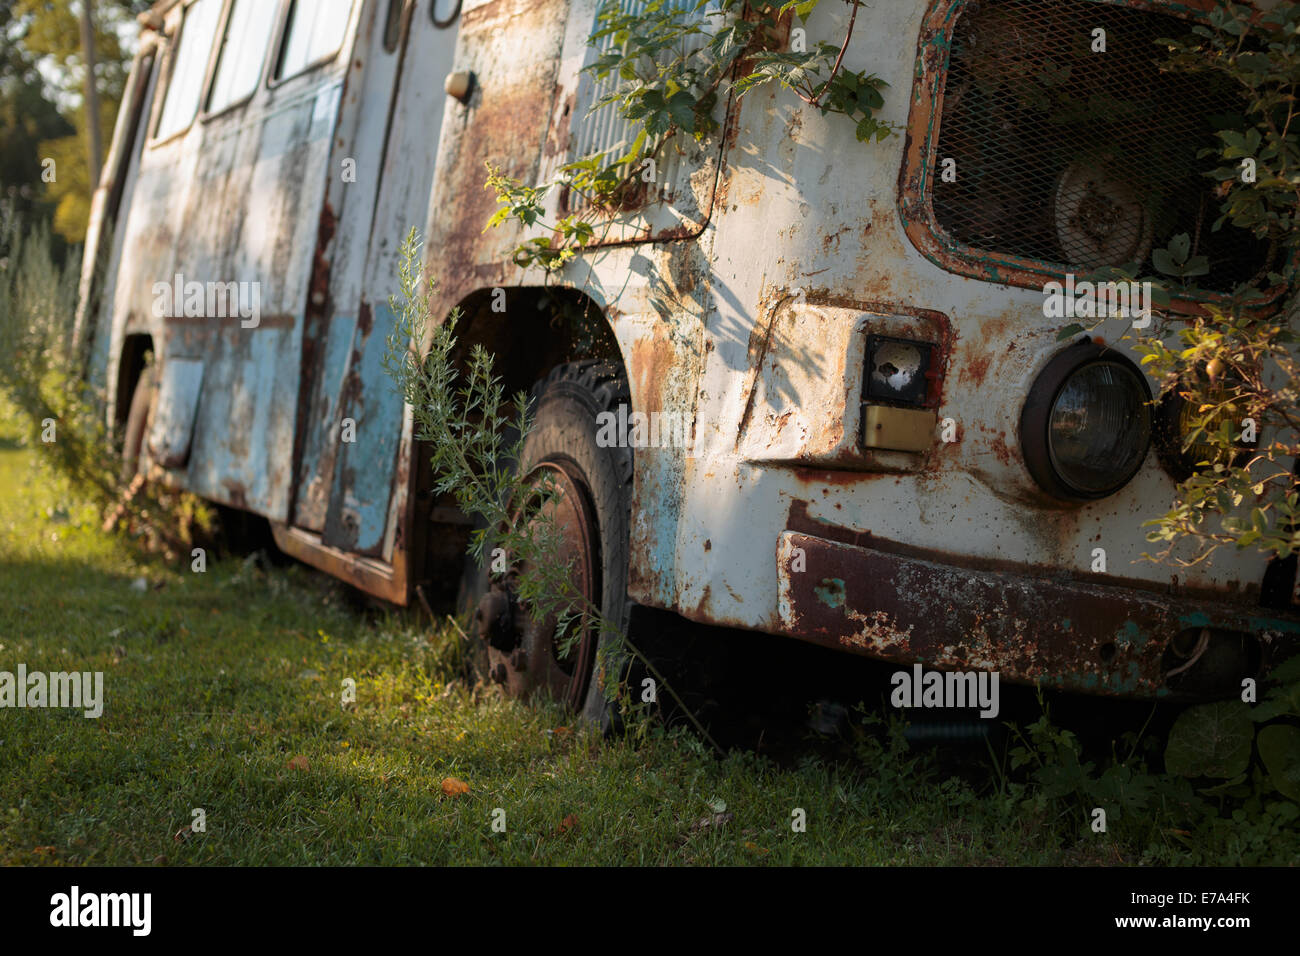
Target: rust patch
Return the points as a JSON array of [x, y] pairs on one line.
[[649, 364], [999, 446], [313, 334], [1084, 636], [320, 271], [975, 369]]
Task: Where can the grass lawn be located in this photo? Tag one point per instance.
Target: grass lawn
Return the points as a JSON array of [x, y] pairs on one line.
[[222, 693]]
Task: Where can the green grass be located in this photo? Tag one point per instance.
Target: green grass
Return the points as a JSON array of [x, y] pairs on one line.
[[214, 682]]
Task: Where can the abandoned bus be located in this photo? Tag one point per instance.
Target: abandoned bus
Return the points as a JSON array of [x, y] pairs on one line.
[[873, 437]]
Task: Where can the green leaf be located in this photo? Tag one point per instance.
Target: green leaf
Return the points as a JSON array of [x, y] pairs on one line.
[[1163, 261], [681, 106], [1179, 247], [1254, 62], [801, 7], [1279, 749], [1210, 740]]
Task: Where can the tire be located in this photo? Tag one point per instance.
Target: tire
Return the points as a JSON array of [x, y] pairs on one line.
[[137, 423], [594, 516]]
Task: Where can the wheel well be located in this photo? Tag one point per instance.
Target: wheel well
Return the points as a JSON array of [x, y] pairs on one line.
[[130, 365], [530, 330]]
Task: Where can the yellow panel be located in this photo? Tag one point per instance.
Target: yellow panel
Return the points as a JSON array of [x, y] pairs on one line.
[[900, 429]]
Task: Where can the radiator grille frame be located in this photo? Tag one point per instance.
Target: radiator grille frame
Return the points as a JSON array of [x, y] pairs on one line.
[[921, 164]]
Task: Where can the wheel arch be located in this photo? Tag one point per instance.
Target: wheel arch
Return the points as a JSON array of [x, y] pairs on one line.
[[529, 331], [132, 358]]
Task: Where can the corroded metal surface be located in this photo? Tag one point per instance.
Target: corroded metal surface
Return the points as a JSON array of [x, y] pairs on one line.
[[1074, 635]]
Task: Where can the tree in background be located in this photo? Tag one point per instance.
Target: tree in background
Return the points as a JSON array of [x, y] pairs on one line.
[[28, 118], [44, 112]]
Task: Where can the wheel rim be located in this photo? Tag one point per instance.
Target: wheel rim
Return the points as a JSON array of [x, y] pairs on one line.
[[568, 676]]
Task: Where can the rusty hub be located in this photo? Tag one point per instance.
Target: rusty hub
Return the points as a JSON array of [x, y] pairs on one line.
[[529, 655]]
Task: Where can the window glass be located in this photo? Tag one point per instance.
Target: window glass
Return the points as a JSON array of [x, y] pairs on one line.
[[315, 32], [239, 64], [190, 67]]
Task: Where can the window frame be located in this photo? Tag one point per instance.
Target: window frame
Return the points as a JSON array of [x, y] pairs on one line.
[[282, 34], [169, 70], [207, 113]]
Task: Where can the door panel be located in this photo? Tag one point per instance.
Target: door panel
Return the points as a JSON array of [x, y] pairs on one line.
[[363, 475]]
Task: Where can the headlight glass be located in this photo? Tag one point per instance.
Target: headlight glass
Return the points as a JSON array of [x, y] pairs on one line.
[[1175, 421], [1099, 428]]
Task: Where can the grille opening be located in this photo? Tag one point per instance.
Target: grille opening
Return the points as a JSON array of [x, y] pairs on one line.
[[608, 133], [1077, 159]]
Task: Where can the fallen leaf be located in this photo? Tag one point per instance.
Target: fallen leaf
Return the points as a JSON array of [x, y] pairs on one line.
[[299, 763], [183, 834], [452, 787], [716, 820], [568, 823], [750, 845]]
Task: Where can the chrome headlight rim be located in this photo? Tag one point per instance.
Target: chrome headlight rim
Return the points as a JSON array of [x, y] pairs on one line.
[[1036, 417]]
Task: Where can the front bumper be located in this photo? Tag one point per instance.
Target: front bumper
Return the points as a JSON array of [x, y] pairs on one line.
[[1092, 638]]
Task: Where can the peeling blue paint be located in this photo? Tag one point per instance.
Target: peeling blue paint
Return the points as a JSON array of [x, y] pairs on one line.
[[831, 592], [1131, 635], [364, 469]]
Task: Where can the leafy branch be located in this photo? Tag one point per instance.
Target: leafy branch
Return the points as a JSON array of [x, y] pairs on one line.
[[668, 65], [1234, 369]]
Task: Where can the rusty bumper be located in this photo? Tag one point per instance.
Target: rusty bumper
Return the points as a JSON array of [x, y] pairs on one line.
[[1098, 639]]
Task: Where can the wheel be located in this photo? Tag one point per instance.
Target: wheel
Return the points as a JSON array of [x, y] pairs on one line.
[[591, 513], [137, 423]]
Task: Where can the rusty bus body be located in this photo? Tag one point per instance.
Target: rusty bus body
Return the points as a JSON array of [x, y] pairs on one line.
[[745, 295]]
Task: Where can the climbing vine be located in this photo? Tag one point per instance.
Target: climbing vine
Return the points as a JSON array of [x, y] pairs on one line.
[[669, 65]]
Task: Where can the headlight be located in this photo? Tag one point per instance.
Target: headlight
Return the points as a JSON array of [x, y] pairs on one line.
[[1175, 420], [1086, 426]]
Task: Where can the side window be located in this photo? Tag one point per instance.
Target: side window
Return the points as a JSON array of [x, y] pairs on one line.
[[314, 33], [239, 64], [189, 67]]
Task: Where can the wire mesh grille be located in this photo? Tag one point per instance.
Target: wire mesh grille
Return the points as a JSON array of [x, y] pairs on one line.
[[1082, 159], [605, 129]]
